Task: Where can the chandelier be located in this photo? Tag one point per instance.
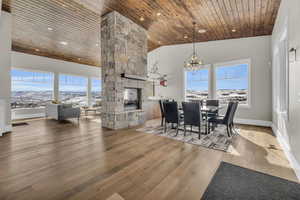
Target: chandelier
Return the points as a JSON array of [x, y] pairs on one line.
[[193, 63]]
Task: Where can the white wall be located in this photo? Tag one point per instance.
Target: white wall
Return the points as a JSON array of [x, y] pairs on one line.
[[171, 60], [5, 62], [287, 127], [32, 62], [0, 7]]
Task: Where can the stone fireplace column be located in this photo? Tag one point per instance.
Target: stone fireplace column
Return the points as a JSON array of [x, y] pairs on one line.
[[123, 50]]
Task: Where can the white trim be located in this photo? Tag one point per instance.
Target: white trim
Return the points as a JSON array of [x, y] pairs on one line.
[[7, 129], [291, 158], [253, 122], [29, 116], [210, 71], [231, 63]]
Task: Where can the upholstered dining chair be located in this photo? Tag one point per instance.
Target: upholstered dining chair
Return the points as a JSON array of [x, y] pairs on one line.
[[162, 112], [192, 116], [171, 115], [224, 120], [213, 102], [232, 127]]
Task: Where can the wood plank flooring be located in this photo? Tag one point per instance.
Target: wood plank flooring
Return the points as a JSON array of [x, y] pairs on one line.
[[64, 161]]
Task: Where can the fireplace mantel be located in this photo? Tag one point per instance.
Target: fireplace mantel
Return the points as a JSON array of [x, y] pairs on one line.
[[133, 77]]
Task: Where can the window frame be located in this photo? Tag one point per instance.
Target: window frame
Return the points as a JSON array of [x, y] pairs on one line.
[[210, 72], [33, 71], [91, 91], [230, 64], [68, 74]]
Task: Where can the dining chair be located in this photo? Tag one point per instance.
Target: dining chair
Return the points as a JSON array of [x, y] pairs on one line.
[[171, 115], [235, 106], [213, 102], [192, 116], [162, 112], [224, 120], [197, 101]]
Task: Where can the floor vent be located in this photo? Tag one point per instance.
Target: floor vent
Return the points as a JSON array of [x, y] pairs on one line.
[[20, 124]]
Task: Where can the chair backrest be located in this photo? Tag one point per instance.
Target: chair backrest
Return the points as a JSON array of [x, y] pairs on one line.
[[171, 112], [161, 108], [211, 102], [197, 101], [227, 117], [234, 108], [192, 113]]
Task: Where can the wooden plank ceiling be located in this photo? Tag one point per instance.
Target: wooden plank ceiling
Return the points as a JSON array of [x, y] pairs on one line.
[[41, 26]]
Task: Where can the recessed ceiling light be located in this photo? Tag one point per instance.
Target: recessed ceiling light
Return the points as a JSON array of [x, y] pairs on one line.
[[233, 30], [185, 37], [142, 19], [50, 29], [158, 14], [64, 43], [97, 45], [201, 31]]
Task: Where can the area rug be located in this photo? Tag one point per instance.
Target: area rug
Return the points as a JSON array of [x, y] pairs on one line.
[[217, 140], [235, 183]]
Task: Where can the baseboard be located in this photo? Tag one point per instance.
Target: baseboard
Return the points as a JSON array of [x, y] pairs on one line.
[[253, 122], [294, 163], [28, 116]]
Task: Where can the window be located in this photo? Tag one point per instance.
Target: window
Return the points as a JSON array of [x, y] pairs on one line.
[[96, 92], [197, 84], [232, 82], [30, 89], [73, 90]]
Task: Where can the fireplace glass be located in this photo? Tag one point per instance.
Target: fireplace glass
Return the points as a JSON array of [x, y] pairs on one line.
[[132, 98]]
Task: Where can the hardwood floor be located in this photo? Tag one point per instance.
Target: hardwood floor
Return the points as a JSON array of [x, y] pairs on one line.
[[50, 160]]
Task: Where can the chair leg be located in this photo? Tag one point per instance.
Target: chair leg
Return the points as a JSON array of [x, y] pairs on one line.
[[191, 128], [199, 133], [165, 129], [177, 129], [184, 129], [228, 130], [162, 121]]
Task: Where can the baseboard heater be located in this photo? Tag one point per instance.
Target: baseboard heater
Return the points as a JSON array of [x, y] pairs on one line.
[[133, 77]]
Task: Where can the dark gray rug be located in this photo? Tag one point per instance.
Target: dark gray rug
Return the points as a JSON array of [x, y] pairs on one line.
[[236, 183], [217, 140]]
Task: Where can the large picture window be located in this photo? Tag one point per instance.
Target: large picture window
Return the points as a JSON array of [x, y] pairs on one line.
[[232, 82], [30, 89], [96, 92], [73, 90], [197, 84]]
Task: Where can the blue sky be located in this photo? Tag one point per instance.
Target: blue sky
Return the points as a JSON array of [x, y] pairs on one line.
[[229, 77], [35, 81]]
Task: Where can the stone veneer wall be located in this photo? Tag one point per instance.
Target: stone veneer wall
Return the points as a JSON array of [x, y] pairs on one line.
[[123, 50]]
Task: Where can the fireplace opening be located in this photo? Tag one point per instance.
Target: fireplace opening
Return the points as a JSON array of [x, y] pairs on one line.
[[132, 99]]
